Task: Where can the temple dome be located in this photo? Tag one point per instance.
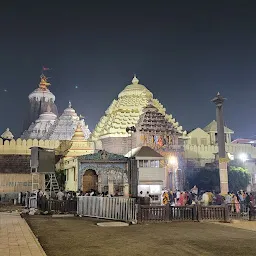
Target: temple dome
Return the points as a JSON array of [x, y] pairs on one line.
[[7, 135], [69, 111], [47, 116], [135, 89], [127, 110], [66, 125]]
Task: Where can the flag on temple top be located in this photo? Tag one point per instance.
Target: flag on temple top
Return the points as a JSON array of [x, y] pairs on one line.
[[44, 68]]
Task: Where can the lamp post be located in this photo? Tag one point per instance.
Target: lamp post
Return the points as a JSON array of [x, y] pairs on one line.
[[219, 100], [133, 173], [173, 162]]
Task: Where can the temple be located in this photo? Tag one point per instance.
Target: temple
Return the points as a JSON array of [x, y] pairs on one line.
[[40, 129], [66, 125], [136, 107], [7, 135], [39, 100], [49, 127]]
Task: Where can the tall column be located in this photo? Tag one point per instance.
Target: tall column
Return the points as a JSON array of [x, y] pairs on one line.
[[218, 100]]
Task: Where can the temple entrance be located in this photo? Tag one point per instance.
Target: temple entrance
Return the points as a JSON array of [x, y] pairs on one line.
[[90, 181]]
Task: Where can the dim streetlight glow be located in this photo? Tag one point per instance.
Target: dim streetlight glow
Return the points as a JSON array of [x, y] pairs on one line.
[[243, 157]]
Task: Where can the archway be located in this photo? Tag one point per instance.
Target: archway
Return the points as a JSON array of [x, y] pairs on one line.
[[90, 181]]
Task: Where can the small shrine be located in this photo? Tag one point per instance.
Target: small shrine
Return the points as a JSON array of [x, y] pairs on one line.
[[104, 172]]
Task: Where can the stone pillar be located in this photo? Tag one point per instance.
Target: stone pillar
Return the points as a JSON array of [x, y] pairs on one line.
[[110, 185], [126, 190], [218, 100]]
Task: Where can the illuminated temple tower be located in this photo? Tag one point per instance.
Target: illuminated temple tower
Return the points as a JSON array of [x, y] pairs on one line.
[[66, 125], [49, 127], [39, 100], [136, 106]]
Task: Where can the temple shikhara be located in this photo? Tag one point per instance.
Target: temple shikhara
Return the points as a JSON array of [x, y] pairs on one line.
[[136, 106], [135, 124]]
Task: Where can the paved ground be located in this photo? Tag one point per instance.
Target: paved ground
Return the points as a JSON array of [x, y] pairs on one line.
[[81, 236], [16, 238]]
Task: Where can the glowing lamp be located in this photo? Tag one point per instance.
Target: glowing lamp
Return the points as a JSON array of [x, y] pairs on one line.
[[243, 157], [173, 161]]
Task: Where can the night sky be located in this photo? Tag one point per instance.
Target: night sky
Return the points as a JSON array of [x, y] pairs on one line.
[[183, 51]]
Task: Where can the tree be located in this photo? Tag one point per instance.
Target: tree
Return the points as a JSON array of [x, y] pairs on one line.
[[238, 178], [208, 178]]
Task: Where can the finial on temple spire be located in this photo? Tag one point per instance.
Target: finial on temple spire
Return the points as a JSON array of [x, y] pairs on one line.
[[69, 104], [135, 80], [43, 83]]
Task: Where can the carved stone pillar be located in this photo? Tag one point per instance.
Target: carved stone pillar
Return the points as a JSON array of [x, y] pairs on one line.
[[126, 190], [110, 184], [99, 183]]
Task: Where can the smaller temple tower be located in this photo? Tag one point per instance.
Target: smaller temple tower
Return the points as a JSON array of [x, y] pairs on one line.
[[7, 135], [39, 100]]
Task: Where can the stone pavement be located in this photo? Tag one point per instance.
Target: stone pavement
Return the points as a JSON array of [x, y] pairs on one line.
[[16, 237]]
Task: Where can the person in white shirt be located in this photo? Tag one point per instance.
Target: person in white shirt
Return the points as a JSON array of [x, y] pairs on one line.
[[60, 195], [205, 199]]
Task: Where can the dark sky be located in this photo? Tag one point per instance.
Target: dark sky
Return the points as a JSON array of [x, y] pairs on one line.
[[183, 51]]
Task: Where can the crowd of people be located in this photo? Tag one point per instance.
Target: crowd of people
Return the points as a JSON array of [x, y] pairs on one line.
[[239, 201]]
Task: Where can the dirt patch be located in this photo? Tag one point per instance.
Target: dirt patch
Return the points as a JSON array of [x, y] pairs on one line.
[[81, 236]]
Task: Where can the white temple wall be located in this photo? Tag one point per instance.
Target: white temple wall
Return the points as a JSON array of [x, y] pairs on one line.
[[206, 154]]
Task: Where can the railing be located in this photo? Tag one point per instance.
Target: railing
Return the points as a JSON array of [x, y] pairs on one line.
[[240, 211], [58, 206], [183, 213], [32, 202], [153, 213], [213, 213], [147, 213], [116, 208]]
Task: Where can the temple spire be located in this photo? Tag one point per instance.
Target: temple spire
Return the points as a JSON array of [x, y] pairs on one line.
[[78, 134], [135, 80]]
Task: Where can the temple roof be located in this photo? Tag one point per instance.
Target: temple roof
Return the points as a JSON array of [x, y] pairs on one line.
[[212, 127], [66, 125], [153, 121], [78, 134], [42, 91], [144, 151], [7, 135], [103, 155], [41, 127], [126, 111]]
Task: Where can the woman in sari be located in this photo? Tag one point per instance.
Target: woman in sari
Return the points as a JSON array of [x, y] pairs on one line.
[[237, 205], [165, 198], [181, 201]]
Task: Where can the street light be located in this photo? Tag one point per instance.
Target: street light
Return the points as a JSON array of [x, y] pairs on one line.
[[243, 157], [173, 162], [131, 130]]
